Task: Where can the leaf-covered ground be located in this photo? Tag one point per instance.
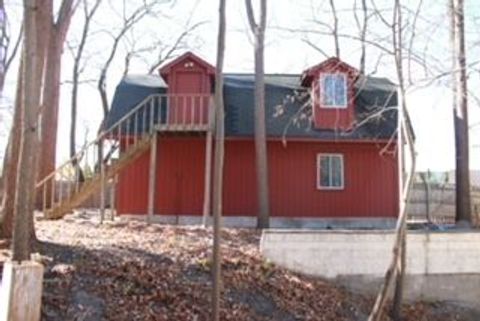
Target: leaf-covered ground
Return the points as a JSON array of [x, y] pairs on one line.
[[127, 270]]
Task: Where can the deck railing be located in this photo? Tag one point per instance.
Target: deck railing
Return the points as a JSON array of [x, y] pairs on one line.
[[159, 112]]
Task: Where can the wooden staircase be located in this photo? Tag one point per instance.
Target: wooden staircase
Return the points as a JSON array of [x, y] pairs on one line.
[[88, 172]]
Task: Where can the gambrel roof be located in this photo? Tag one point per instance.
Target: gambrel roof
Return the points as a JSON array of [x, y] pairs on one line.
[[375, 106]]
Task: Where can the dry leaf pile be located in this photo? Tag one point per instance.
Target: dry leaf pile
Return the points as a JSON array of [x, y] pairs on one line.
[[127, 270]]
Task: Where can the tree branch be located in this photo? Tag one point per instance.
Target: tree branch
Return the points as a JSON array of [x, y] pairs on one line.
[[250, 15]]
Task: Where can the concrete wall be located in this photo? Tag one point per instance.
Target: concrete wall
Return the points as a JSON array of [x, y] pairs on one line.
[[440, 265], [275, 222]]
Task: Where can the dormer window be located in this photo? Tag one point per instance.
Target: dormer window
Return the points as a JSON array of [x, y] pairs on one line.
[[333, 90]]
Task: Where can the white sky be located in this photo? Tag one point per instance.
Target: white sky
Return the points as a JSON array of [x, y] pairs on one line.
[[285, 52]]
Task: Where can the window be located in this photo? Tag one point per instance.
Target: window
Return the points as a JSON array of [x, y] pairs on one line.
[[330, 171], [333, 90]]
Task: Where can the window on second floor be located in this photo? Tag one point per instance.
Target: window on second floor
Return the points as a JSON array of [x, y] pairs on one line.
[[333, 90], [330, 173]]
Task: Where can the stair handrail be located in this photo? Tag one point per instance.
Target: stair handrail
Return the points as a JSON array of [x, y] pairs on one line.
[[99, 137], [117, 124]]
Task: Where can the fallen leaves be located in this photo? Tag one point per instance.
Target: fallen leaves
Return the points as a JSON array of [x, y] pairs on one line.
[[127, 270]]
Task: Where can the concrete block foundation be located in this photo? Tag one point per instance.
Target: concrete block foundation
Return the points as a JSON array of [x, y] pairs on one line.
[[440, 265]]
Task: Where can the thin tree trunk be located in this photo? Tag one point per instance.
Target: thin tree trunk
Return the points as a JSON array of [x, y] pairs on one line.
[[25, 191], [258, 29], [102, 89], [396, 268], [4, 42], [363, 34], [335, 28], [51, 98], [399, 282], [463, 199], [218, 163], [11, 161], [15, 133], [75, 81], [55, 34], [128, 23]]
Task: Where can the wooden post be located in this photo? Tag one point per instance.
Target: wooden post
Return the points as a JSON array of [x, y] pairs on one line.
[[21, 291], [208, 165], [103, 181], [152, 177], [113, 187]]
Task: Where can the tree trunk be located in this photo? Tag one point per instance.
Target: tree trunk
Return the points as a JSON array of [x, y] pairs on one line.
[[15, 133], [399, 282], [397, 266], [25, 189], [335, 28], [218, 163], [11, 161], [102, 89], [49, 119], [258, 29], [260, 136], [73, 116], [463, 202], [55, 38], [4, 42], [363, 34]]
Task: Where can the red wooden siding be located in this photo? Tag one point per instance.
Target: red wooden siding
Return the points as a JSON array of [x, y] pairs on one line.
[[187, 76], [370, 180], [180, 179], [331, 118]]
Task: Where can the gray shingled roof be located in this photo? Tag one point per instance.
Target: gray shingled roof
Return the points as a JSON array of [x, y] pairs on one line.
[[283, 93]]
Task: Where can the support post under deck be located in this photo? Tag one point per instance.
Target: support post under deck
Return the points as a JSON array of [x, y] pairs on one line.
[[208, 178], [152, 177], [208, 164], [103, 178]]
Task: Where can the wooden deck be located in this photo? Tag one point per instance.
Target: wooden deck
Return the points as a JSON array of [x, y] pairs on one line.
[[182, 127]]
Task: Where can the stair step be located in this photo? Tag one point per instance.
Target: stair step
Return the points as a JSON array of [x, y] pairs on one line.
[[94, 183]]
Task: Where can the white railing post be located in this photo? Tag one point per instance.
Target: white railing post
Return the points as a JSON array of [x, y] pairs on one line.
[[44, 205], [102, 181]]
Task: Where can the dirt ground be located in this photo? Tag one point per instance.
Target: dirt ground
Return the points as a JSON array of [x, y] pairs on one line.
[[127, 270]]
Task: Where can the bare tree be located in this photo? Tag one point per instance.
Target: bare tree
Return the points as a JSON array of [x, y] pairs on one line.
[[258, 30], [14, 141], [218, 163], [167, 52], [11, 162], [363, 27], [331, 30], [335, 28], [25, 188], [460, 93], [51, 35], [57, 29], [77, 68], [164, 50], [128, 22], [7, 53], [396, 268]]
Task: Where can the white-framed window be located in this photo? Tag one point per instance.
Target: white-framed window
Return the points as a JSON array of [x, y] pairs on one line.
[[333, 90], [330, 171]]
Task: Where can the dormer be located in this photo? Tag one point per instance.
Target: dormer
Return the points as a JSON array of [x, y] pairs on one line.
[[190, 82], [333, 95], [188, 74]]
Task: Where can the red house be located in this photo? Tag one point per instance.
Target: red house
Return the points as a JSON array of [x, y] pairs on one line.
[[331, 146]]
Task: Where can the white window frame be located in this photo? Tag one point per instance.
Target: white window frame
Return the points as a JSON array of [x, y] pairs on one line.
[[323, 76], [342, 173]]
